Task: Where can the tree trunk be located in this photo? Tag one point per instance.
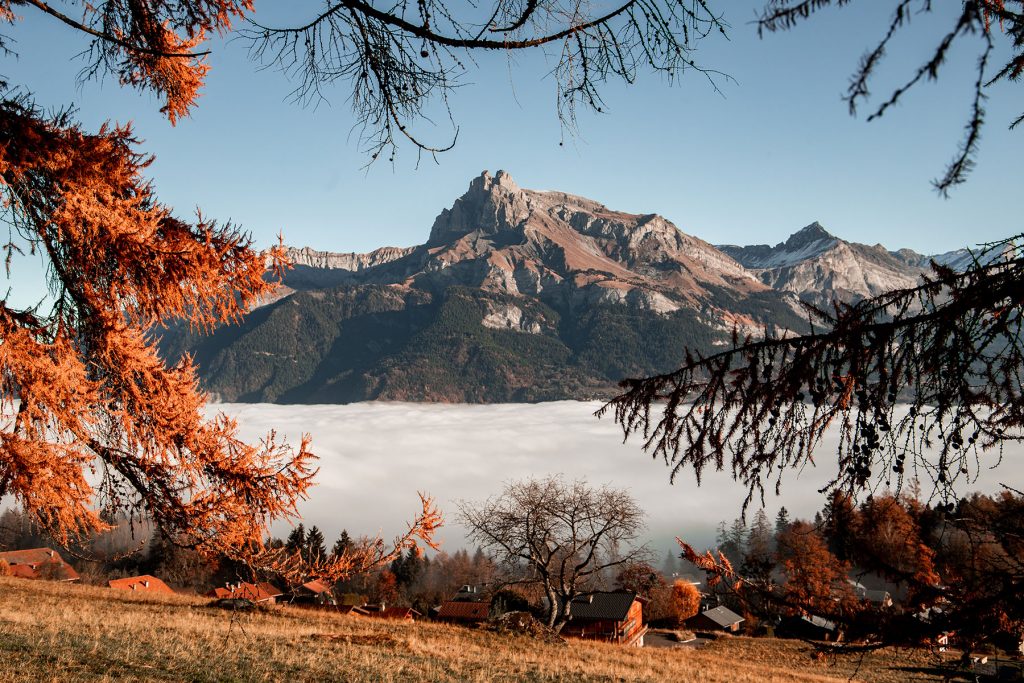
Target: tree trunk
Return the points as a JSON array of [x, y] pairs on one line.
[[552, 606]]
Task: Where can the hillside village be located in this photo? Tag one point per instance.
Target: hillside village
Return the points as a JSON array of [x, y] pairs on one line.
[[639, 607]]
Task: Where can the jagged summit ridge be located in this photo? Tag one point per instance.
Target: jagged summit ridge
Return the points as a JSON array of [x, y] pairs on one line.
[[523, 295]]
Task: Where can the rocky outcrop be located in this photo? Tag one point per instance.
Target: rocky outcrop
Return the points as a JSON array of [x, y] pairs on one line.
[[354, 262], [819, 267]]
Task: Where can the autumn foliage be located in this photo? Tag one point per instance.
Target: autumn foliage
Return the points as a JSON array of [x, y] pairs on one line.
[[944, 571], [684, 601], [95, 423], [96, 416]]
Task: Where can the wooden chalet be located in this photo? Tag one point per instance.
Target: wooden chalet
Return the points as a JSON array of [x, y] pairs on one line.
[[353, 610], [141, 584], [39, 563], [613, 617], [270, 589], [242, 591], [464, 611], [716, 619], [313, 592], [808, 627]]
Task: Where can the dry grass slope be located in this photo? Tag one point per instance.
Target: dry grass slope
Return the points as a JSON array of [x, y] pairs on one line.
[[50, 631]]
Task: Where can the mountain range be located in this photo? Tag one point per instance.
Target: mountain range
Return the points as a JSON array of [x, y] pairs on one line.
[[523, 295]]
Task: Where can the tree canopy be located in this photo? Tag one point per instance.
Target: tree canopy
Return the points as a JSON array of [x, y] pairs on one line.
[[95, 423], [565, 534]]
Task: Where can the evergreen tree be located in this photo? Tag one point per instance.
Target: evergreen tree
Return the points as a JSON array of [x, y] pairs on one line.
[[343, 543], [782, 521], [296, 539], [841, 522], [315, 545], [670, 567], [734, 541], [759, 540], [407, 568], [758, 561]]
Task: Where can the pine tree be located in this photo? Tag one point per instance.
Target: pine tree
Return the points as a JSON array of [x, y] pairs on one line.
[[296, 542], [782, 521], [315, 548], [670, 567], [343, 543]]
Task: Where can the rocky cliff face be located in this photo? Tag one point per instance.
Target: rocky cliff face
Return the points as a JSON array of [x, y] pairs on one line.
[[522, 295], [311, 258], [555, 246], [819, 267]]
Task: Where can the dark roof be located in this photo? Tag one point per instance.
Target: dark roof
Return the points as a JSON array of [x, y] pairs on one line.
[[354, 610], [460, 609], [820, 622], [612, 605], [723, 616]]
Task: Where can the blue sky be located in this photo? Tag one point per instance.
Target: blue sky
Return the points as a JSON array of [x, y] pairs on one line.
[[776, 152]]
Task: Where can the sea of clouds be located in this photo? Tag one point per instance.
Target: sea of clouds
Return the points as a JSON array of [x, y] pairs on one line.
[[374, 457]]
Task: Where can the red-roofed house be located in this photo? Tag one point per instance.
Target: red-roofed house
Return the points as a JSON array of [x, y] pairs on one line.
[[39, 563], [141, 584], [270, 589], [464, 612], [316, 592], [242, 591]]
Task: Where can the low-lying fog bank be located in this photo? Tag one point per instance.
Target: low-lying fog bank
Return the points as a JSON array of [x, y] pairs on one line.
[[374, 457]]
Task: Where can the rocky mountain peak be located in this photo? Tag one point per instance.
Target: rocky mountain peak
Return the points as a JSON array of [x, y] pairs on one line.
[[491, 205], [808, 235]]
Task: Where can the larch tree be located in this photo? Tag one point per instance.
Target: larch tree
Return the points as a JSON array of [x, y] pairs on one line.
[[95, 423], [684, 602]]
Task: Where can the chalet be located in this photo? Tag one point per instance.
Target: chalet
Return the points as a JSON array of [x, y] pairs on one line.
[[353, 610], [39, 563], [614, 617], [270, 589], [141, 584], [808, 627], [716, 619], [465, 612], [881, 598], [242, 591], [315, 592]]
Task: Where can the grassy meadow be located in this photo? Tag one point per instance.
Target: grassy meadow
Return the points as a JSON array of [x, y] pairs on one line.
[[50, 631]]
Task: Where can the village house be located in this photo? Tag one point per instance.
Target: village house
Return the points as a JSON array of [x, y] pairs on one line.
[[38, 563], [141, 584], [353, 610], [271, 590], [313, 592], [242, 591], [716, 619], [880, 598], [463, 612], [613, 617], [808, 627]]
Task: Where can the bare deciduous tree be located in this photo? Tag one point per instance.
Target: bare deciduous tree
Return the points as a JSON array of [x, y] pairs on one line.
[[567, 534]]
